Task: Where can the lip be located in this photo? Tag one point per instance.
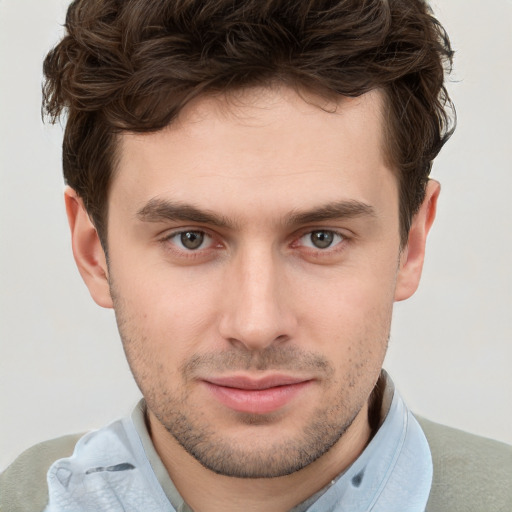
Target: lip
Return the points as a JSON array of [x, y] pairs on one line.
[[261, 395]]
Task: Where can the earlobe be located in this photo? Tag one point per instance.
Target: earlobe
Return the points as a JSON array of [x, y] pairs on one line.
[[87, 250], [413, 255]]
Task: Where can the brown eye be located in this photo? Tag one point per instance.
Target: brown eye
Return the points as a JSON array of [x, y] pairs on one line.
[[322, 239], [192, 239]]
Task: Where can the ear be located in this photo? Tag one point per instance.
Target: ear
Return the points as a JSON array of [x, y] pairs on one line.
[[87, 250], [413, 255]]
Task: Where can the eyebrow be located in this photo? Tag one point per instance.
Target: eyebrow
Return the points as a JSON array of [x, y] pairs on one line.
[[159, 210], [332, 211]]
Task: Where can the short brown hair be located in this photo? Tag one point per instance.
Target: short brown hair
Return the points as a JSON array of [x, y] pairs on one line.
[[133, 65]]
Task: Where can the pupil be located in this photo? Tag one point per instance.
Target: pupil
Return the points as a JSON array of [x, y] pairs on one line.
[[322, 239], [192, 239]]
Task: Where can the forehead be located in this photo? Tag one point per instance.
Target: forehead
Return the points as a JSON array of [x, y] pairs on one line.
[[260, 145]]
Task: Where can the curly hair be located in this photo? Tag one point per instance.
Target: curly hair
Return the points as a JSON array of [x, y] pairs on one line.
[[134, 64]]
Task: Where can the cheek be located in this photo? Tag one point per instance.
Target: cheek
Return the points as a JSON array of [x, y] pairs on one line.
[[171, 311], [361, 338], [349, 316], [358, 346]]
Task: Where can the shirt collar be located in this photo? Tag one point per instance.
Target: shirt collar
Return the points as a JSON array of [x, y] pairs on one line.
[[395, 470]]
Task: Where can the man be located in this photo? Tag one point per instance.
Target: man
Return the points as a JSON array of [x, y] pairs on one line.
[[248, 189]]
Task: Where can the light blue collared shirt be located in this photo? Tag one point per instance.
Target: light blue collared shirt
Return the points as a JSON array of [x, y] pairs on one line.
[[110, 470]]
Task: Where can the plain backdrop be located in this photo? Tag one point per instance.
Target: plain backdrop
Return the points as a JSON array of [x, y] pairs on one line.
[[62, 368]]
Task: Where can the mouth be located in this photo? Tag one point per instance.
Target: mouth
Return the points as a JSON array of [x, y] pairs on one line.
[[256, 395]]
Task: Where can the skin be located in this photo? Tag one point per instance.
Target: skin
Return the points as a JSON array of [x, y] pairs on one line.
[[256, 175]]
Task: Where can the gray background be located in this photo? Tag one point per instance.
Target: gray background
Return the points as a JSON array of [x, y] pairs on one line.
[[62, 368]]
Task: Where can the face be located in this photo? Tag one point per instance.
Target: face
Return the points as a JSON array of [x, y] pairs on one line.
[[253, 259]]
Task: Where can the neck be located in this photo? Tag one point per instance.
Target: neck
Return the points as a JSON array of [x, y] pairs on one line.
[[206, 491]]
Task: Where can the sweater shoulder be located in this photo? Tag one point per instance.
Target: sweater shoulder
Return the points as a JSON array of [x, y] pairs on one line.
[[471, 473], [23, 485]]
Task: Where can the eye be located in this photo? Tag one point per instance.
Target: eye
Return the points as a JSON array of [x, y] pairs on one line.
[[321, 239], [190, 240]]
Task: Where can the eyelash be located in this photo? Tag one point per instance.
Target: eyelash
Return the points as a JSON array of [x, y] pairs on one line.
[[167, 240], [337, 246], [342, 238]]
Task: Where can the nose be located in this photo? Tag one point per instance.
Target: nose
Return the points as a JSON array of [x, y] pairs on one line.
[[257, 308]]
